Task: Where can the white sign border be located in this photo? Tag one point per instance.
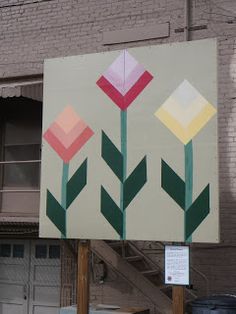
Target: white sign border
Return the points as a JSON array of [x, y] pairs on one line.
[[187, 274]]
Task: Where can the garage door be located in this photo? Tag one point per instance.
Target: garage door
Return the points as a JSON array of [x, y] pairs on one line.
[[29, 277]]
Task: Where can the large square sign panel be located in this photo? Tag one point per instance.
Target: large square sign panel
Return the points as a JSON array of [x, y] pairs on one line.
[[130, 145]]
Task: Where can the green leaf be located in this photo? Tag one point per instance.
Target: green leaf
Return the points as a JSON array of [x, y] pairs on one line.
[[111, 211], [112, 156], [198, 211], [135, 182], [56, 213], [76, 183], [172, 184]]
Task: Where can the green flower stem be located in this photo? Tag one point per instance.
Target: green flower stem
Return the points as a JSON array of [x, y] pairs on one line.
[[123, 135], [188, 152], [65, 175]]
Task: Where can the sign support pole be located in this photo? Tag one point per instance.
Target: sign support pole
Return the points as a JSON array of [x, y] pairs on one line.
[[178, 299], [177, 274], [83, 277]]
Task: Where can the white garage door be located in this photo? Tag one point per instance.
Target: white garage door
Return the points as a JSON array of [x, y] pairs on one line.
[[29, 277]]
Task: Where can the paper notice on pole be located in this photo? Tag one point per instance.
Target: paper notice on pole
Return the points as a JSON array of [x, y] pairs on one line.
[[177, 265]]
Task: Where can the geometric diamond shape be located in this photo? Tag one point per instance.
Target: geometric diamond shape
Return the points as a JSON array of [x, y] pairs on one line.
[[185, 93], [184, 115], [185, 112], [66, 153], [185, 103], [123, 101], [124, 72], [124, 80], [67, 134], [68, 138], [67, 119]]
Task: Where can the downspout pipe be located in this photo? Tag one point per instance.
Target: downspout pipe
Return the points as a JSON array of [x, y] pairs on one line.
[[186, 20]]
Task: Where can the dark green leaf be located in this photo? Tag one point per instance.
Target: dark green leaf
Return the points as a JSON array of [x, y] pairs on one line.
[[76, 183], [197, 212], [135, 182], [172, 184], [111, 211], [112, 156], [56, 213]]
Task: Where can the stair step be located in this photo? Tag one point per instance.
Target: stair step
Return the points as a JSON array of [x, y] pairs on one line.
[[134, 258], [151, 272]]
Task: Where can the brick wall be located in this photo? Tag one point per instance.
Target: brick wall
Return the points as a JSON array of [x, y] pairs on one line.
[[219, 263], [31, 31]]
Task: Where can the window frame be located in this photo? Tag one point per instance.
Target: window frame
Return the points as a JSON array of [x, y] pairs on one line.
[[3, 190]]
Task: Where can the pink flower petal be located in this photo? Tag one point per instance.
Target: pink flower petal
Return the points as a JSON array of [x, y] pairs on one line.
[[124, 101], [67, 138], [67, 119], [67, 153]]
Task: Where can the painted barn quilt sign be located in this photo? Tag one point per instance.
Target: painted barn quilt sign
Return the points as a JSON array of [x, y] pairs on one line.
[[130, 145]]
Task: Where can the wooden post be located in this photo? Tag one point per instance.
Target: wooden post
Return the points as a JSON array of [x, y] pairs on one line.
[[178, 299], [83, 277]]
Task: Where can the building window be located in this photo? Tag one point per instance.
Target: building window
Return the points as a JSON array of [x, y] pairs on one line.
[[18, 250], [40, 251], [5, 250], [20, 153], [54, 251]]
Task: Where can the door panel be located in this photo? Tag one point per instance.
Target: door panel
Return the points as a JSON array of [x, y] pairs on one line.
[[11, 308], [12, 272], [46, 294], [29, 276], [45, 277], [47, 273], [14, 276], [9, 289]]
